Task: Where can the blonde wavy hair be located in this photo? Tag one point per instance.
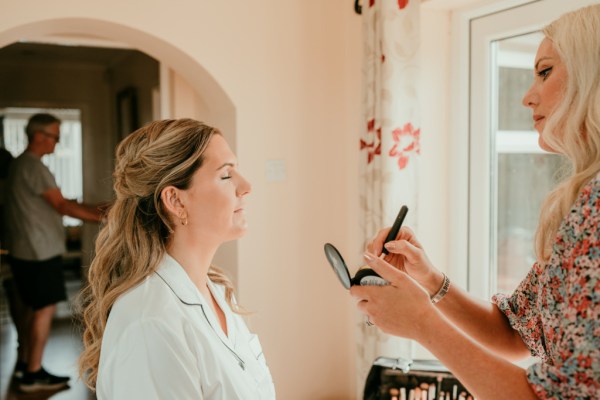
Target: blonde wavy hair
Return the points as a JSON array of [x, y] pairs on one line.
[[134, 239], [573, 129]]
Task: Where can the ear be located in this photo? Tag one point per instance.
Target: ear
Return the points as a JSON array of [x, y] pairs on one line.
[[36, 138], [171, 199]]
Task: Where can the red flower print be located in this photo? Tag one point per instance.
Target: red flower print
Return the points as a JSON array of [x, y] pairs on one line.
[[584, 361], [374, 147], [407, 141], [402, 4]]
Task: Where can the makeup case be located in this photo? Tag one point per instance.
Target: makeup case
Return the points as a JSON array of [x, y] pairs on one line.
[[400, 379]]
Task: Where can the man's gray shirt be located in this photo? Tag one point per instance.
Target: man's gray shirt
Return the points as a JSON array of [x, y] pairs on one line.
[[35, 230]]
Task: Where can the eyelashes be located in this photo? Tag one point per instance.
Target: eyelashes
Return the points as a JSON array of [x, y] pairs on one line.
[[544, 73]]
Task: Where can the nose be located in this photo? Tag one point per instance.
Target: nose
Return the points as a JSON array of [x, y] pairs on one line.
[[244, 187], [529, 99]]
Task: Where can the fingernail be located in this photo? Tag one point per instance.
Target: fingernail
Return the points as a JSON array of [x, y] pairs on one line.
[[368, 257], [390, 246]]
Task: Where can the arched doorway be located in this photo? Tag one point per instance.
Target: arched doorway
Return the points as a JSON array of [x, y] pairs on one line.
[[214, 107]]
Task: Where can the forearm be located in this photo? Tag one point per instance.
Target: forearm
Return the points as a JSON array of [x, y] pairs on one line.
[[486, 375], [483, 322], [81, 211]]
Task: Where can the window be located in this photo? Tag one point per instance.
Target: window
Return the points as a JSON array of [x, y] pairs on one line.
[[524, 173], [65, 163]]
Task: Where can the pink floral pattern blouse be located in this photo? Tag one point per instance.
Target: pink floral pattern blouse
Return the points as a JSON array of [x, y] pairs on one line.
[[556, 308]]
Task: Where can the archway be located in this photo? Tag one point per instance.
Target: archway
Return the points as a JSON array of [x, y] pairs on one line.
[[219, 109]]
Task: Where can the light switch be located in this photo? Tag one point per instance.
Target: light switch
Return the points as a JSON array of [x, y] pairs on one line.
[[275, 170]]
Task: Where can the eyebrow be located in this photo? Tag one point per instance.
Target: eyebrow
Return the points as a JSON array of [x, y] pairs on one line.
[[540, 60], [227, 164]]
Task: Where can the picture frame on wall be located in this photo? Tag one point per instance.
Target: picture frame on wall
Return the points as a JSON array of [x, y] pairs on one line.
[[127, 112]]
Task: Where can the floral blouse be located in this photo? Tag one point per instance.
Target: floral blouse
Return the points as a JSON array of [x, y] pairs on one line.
[[556, 309]]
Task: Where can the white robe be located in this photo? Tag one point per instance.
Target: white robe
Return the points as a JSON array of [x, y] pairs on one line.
[[164, 341]]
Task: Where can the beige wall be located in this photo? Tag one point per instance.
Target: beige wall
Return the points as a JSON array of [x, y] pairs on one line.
[[290, 72]]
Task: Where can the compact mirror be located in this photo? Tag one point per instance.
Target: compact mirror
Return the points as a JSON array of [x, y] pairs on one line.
[[364, 276], [337, 263]]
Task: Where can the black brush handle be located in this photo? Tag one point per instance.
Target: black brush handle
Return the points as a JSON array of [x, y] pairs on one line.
[[396, 227]]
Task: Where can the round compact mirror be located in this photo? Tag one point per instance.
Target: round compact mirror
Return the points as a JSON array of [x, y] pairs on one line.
[[337, 263]]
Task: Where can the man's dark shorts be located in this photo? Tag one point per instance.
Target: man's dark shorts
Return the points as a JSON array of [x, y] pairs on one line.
[[40, 283]]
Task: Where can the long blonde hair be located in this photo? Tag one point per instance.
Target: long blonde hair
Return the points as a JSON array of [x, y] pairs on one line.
[[573, 129], [133, 241]]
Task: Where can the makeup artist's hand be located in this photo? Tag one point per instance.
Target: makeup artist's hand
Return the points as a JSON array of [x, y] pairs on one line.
[[408, 255], [401, 308]]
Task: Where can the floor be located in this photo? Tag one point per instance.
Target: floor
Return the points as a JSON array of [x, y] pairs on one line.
[[60, 356]]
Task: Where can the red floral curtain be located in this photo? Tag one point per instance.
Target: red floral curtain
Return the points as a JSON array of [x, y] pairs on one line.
[[390, 140]]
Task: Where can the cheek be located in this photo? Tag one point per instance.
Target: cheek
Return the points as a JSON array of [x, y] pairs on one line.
[[553, 96], [554, 91], [218, 206]]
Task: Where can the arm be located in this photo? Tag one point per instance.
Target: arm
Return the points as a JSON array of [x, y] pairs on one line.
[[403, 308], [71, 208], [479, 319], [486, 375], [484, 322]]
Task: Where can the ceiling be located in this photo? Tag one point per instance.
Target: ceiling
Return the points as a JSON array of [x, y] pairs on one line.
[[27, 52]]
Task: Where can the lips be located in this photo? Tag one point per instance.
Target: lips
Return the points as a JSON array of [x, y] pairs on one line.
[[537, 119]]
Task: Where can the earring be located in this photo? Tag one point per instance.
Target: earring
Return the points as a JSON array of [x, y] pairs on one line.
[[183, 219]]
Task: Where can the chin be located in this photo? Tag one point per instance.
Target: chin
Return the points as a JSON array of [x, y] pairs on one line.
[[239, 232], [544, 146]]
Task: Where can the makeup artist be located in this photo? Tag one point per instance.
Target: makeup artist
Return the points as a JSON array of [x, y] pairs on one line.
[[554, 313]]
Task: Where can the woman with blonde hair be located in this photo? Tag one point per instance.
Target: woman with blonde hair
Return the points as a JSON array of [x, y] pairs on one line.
[[161, 321], [554, 314]]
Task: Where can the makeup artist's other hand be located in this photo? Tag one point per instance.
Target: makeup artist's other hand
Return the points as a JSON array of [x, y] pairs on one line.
[[408, 255], [401, 308]]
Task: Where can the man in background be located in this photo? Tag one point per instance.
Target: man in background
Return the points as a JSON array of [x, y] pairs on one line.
[[34, 206]]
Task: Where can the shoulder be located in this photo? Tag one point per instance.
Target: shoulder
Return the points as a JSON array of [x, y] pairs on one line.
[[590, 195], [586, 209], [149, 299], [28, 167], [27, 159]]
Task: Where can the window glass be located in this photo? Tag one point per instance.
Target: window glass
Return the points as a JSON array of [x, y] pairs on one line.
[[524, 173]]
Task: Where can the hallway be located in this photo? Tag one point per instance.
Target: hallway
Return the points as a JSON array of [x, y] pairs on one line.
[[60, 356]]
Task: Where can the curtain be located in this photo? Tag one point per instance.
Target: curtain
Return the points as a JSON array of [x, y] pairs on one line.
[[389, 143]]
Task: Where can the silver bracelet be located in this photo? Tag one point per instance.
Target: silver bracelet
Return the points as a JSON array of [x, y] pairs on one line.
[[443, 290]]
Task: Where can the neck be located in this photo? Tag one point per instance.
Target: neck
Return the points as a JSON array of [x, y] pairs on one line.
[[195, 259], [35, 150]]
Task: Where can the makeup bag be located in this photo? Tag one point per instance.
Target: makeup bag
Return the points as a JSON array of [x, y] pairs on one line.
[[400, 379]]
